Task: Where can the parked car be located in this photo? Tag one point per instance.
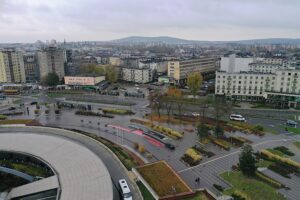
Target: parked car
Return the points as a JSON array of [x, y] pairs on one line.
[[291, 123], [196, 114], [125, 191], [170, 146], [237, 117], [12, 108]]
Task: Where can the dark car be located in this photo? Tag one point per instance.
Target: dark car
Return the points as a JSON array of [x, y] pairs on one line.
[[33, 103], [12, 108], [170, 146]]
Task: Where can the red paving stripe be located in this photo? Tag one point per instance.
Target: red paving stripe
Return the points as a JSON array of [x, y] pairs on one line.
[[154, 142]]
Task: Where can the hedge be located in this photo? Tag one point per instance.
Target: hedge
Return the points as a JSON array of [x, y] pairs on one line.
[[268, 180], [287, 161], [167, 131]]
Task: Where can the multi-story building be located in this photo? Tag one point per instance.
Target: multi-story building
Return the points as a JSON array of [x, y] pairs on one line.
[[31, 68], [83, 80], [11, 66], [235, 64], [51, 60], [264, 67], [137, 75], [281, 86], [179, 70]]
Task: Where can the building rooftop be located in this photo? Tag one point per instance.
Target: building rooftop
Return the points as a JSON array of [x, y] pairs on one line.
[[81, 173]]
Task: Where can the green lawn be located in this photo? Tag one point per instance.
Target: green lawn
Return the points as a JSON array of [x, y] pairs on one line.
[[253, 188], [145, 192], [297, 144], [294, 130], [264, 163], [55, 95], [276, 152]]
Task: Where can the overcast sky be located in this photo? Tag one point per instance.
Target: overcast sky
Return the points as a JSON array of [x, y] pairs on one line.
[[31, 20]]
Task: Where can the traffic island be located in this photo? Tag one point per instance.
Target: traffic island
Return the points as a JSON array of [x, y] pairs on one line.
[[162, 181]]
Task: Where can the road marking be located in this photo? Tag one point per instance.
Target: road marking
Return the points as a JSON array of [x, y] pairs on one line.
[[232, 153]]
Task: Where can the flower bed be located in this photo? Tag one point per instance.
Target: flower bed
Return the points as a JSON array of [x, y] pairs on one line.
[[284, 150], [192, 157], [138, 121], [161, 129], [278, 158], [91, 113], [281, 169], [221, 143], [203, 151], [118, 111], [247, 128], [167, 131]]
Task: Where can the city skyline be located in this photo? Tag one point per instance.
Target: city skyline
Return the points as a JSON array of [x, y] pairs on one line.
[[31, 20]]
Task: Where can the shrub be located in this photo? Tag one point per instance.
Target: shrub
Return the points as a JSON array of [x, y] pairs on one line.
[[268, 180], [282, 169], [274, 157], [36, 111], [142, 149], [118, 111], [239, 195], [218, 187], [257, 129], [222, 143], [284, 150], [136, 145], [195, 155], [47, 111]]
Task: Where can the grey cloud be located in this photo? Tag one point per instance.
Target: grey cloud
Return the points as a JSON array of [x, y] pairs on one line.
[[191, 19]]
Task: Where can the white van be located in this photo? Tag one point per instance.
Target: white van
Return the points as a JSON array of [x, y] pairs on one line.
[[237, 117], [126, 193]]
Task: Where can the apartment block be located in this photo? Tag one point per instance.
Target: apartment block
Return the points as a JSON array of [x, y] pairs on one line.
[[31, 68], [51, 60], [137, 75], [11, 66], [179, 70]]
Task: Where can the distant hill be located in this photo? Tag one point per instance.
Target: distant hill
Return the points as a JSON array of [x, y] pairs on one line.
[[173, 40], [160, 39]]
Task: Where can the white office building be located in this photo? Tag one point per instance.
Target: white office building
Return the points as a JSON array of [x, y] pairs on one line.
[[282, 85]]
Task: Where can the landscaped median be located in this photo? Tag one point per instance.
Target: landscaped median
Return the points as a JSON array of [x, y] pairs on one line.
[[192, 157], [161, 129], [162, 181], [278, 158], [117, 111]]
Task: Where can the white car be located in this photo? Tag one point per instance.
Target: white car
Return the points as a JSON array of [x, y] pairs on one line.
[[196, 114], [237, 117], [126, 193]]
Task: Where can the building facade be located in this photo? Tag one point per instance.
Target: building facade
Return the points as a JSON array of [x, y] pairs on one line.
[[179, 70], [137, 75], [282, 86], [32, 73], [51, 60], [11, 66], [83, 80]]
